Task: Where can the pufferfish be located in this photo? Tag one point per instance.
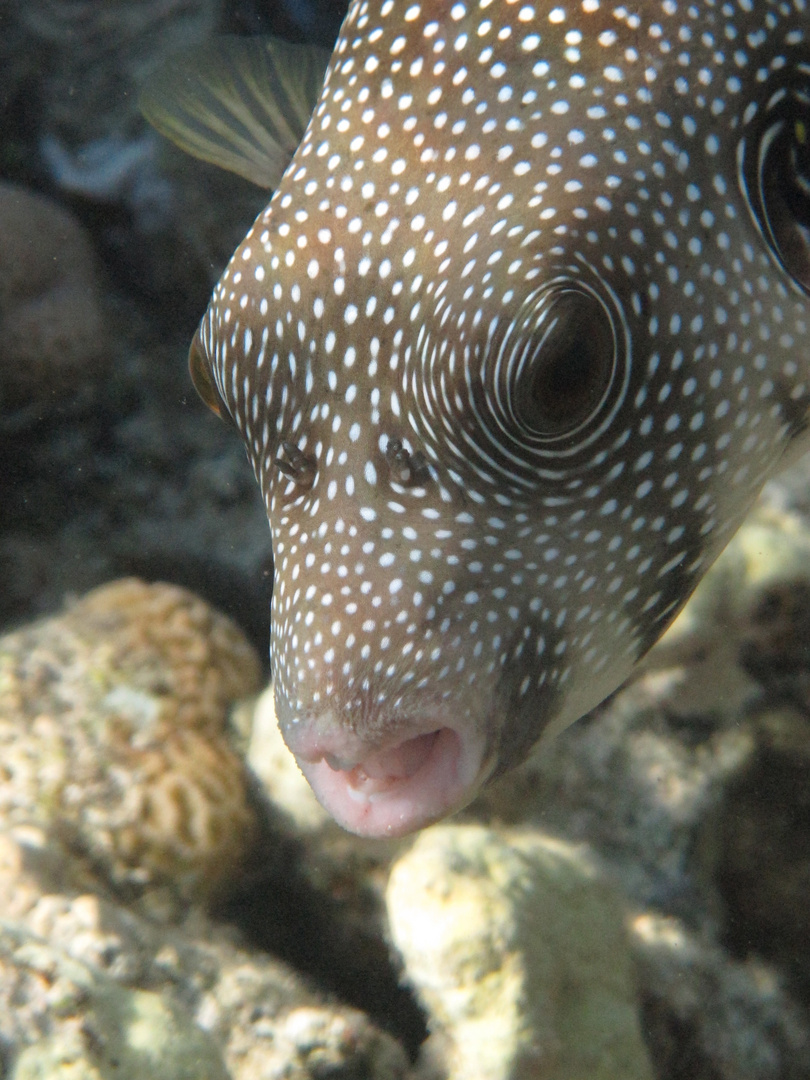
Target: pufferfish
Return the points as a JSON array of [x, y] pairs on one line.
[[520, 335]]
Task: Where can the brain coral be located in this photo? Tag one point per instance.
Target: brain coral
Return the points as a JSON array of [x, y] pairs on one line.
[[113, 735]]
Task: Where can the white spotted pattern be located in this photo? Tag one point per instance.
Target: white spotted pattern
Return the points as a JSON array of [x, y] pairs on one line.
[[479, 177]]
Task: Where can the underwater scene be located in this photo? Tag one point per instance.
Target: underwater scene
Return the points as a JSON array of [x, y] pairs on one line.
[[404, 539]]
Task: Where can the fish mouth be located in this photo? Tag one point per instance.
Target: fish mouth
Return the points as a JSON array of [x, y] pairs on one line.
[[395, 789]]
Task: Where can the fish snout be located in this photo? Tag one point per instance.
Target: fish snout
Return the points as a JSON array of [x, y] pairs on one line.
[[417, 773]]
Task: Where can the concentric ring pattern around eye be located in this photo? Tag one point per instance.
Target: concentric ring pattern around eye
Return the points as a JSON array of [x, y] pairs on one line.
[[774, 157], [540, 400]]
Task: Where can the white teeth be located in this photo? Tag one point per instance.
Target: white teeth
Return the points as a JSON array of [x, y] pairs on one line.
[[356, 795], [369, 788], [365, 789]]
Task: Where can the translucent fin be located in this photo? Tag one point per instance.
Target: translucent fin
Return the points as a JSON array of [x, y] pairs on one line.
[[240, 103]]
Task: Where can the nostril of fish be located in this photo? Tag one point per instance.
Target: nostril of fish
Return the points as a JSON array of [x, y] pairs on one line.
[[408, 469], [295, 464]]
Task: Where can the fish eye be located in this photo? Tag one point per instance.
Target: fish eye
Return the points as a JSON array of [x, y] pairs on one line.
[[775, 176], [538, 396], [562, 377]]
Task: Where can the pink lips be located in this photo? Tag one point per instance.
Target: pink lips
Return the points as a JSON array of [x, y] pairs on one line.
[[394, 790]]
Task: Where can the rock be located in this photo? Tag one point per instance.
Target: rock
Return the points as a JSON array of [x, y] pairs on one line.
[[709, 1017], [745, 624], [124, 1033], [113, 734], [517, 949], [73, 69], [321, 1041], [91, 990], [760, 848], [90, 56], [92, 1025], [53, 340]]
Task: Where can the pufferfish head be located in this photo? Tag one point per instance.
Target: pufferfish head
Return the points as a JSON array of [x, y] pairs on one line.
[[513, 347]]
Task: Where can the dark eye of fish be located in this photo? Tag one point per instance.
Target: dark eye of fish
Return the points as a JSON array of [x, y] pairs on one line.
[[562, 376], [513, 347], [776, 177]]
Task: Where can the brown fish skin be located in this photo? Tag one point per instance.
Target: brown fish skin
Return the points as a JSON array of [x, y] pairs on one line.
[[513, 349]]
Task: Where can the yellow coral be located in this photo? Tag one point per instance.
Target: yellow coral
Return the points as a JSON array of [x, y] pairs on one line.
[[168, 642], [113, 734]]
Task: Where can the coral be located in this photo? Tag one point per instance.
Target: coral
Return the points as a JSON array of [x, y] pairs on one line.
[[690, 784], [168, 642], [710, 1017], [116, 1031], [518, 950], [113, 729], [91, 990], [52, 337]]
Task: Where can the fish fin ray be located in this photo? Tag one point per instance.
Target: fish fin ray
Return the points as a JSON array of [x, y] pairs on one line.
[[240, 103]]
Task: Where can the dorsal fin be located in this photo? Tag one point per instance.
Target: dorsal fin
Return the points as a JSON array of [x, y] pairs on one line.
[[240, 103]]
